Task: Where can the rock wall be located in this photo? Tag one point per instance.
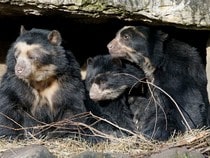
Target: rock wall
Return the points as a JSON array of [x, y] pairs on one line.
[[194, 14]]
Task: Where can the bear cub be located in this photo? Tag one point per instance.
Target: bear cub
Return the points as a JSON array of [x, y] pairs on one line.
[[107, 94], [130, 83]]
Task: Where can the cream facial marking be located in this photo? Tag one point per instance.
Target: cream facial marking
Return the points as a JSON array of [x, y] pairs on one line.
[[22, 49], [134, 29], [97, 93]]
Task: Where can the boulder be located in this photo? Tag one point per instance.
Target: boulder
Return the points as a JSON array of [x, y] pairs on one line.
[[30, 151], [178, 153]]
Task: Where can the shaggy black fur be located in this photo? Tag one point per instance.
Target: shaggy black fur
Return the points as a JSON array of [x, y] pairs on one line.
[[175, 67], [42, 84]]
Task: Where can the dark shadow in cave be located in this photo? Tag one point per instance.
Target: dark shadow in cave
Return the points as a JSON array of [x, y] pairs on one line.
[[86, 37]]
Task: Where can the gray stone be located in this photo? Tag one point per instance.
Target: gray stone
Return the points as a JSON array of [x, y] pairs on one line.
[[178, 153], [182, 13], [90, 154], [31, 151]]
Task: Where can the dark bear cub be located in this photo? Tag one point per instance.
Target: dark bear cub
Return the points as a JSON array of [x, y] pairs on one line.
[[174, 67], [107, 94], [130, 84], [42, 84]]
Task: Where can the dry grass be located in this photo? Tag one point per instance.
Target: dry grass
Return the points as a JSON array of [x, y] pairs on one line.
[[135, 146]]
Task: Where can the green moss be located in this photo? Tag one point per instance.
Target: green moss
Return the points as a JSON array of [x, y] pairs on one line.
[[96, 7]]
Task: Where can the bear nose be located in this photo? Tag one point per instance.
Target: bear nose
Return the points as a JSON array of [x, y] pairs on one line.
[[19, 70]]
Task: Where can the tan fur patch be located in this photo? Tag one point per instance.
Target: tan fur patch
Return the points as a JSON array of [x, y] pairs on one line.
[[49, 93], [134, 28], [83, 74], [97, 93], [145, 64], [35, 104], [23, 48], [123, 49], [44, 72], [148, 68], [126, 49], [38, 73], [83, 71], [3, 69], [44, 95]]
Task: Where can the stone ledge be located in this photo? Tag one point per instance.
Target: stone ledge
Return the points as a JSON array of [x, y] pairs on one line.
[[182, 13]]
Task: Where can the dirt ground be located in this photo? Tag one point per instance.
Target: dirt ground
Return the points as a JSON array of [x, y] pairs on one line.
[[135, 146]]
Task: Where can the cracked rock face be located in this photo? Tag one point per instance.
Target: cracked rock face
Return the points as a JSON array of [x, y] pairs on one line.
[[183, 13]]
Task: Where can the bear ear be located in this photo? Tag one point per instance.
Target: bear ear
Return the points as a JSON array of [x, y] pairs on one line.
[[89, 61], [55, 37], [117, 61], [22, 30]]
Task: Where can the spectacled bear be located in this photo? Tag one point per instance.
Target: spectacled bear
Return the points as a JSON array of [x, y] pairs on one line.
[[139, 101], [42, 84], [111, 104], [108, 86], [173, 66]]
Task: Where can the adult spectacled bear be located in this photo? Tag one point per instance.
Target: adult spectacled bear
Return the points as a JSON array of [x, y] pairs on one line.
[[42, 84], [174, 70]]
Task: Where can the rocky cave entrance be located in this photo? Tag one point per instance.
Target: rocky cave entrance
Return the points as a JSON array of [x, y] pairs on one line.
[[86, 37]]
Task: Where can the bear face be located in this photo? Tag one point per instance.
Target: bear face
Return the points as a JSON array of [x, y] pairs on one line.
[[101, 64], [32, 62], [125, 43], [31, 58], [110, 85], [42, 83], [136, 44], [111, 77], [106, 87]]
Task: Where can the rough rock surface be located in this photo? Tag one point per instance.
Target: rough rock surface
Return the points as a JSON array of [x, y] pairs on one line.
[[183, 13], [178, 153], [31, 151], [90, 154]]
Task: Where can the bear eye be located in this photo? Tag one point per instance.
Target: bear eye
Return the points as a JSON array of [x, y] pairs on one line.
[[32, 56], [126, 36], [16, 54]]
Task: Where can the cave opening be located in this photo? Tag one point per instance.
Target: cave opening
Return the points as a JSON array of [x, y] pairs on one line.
[[85, 36]]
